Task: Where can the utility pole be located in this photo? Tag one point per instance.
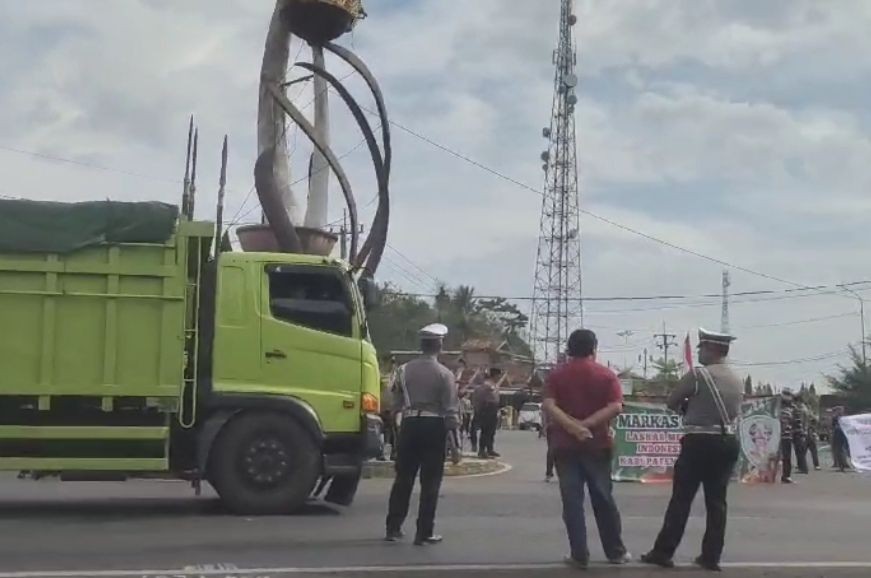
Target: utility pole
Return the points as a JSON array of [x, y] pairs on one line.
[[665, 341], [345, 234], [861, 319], [724, 320], [625, 334], [644, 360]]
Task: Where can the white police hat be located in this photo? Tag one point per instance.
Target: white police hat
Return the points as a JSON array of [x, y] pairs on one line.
[[433, 331], [706, 336]]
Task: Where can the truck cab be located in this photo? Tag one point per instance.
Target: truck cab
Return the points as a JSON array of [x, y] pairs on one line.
[[290, 336]]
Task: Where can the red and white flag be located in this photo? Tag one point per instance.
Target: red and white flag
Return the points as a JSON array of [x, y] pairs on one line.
[[688, 353]]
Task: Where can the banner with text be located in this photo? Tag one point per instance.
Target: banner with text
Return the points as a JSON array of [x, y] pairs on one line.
[[857, 428], [647, 441]]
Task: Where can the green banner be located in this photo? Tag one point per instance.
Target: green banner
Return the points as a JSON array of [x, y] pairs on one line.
[[647, 441]]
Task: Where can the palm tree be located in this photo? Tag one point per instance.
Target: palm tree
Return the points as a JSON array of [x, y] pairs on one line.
[[854, 381]]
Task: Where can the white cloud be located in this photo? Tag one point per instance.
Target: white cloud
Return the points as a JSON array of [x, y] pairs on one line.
[[664, 120]]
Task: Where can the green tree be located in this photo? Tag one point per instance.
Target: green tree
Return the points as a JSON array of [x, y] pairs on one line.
[[394, 324], [666, 370], [854, 380], [748, 386]]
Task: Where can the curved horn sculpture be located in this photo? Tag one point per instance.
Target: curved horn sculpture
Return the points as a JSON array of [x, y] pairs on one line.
[[270, 118], [279, 220], [303, 123], [380, 173], [377, 239]]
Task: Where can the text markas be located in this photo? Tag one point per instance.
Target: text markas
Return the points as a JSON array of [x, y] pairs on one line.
[[648, 421]]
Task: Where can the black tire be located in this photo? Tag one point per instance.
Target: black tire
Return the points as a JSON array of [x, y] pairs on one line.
[[264, 463]]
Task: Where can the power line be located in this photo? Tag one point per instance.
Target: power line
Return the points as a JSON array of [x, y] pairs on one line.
[[798, 321], [589, 213], [777, 295], [408, 275], [823, 357], [87, 165], [413, 264]]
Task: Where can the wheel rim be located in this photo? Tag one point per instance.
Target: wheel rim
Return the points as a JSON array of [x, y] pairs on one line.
[[265, 462]]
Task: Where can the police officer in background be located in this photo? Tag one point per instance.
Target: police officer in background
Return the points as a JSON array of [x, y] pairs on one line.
[[712, 396], [425, 396]]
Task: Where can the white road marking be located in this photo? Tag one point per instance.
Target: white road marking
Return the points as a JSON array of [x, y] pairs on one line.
[[271, 572]]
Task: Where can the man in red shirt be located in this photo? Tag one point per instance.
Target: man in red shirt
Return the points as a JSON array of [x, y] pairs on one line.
[[581, 398]]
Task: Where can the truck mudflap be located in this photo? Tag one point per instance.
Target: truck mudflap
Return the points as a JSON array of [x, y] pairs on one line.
[[342, 471]]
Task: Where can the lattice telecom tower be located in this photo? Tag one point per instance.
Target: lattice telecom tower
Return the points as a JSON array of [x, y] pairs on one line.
[[557, 307]]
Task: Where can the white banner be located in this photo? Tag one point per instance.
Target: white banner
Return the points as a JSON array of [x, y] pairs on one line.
[[858, 431]]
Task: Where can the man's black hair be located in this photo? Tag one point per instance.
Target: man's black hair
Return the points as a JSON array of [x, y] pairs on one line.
[[582, 343]]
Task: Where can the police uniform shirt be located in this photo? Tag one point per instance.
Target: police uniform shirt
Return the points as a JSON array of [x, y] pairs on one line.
[[430, 387], [701, 410]]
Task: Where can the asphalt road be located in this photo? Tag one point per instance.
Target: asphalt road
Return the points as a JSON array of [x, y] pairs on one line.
[[502, 526]]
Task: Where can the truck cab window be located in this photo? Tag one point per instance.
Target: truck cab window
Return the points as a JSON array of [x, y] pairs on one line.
[[312, 299]]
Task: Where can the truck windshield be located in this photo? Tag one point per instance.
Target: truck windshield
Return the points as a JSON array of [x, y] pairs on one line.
[[313, 299]]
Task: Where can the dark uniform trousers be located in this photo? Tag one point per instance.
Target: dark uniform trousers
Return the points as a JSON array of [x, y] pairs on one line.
[[707, 460], [800, 443], [421, 448], [786, 458], [813, 449], [489, 421]]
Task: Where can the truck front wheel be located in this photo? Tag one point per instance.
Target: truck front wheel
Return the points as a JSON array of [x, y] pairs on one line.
[[264, 463]]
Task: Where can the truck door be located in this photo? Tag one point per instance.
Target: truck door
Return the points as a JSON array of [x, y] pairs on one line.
[[311, 345]]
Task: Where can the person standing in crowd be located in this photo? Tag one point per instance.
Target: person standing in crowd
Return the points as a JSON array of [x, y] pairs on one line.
[[787, 421], [711, 395], [813, 438], [839, 441], [581, 398], [545, 432], [387, 415], [800, 429], [486, 404], [475, 425], [425, 395], [466, 418]]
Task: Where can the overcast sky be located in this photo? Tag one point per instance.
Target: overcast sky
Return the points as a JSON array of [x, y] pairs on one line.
[[736, 129]]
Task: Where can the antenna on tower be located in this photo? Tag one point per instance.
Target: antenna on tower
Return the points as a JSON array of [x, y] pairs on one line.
[[724, 319], [557, 306]]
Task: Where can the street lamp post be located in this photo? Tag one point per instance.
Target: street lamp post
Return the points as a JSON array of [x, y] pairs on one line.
[[861, 316]]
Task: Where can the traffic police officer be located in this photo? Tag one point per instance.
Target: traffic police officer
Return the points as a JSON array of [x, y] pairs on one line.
[[425, 395], [711, 398]]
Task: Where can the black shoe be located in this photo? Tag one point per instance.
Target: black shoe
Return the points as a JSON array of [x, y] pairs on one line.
[[657, 560], [483, 456], [394, 536], [434, 539], [494, 455], [787, 481], [712, 566]]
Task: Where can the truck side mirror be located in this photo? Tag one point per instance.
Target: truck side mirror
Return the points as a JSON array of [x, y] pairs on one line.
[[368, 290]]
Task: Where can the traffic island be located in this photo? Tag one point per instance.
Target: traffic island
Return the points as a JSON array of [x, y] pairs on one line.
[[469, 466]]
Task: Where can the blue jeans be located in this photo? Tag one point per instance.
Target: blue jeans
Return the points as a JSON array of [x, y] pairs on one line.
[[592, 469]]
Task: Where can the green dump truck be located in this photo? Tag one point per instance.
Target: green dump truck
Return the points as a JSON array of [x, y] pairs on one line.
[[128, 349]]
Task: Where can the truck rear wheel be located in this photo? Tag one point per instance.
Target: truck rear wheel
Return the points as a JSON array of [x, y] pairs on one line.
[[264, 463]]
